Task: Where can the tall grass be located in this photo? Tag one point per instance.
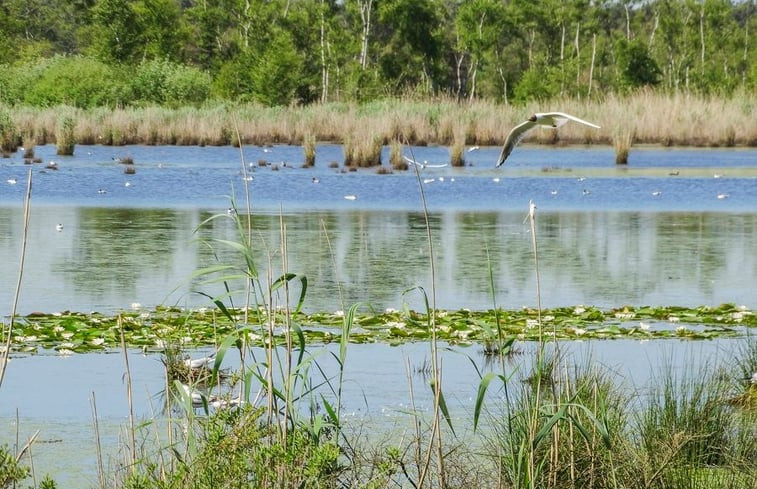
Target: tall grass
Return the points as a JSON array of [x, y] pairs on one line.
[[65, 137], [689, 120], [622, 141]]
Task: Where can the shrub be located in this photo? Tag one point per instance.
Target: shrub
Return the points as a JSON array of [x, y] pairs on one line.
[[162, 82], [74, 80]]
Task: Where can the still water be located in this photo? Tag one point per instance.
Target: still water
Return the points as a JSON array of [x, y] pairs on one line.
[[652, 232], [674, 227]]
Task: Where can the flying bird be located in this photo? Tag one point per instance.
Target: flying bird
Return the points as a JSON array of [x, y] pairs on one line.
[[552, 120]]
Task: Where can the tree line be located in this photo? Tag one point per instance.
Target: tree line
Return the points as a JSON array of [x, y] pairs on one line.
[[278, 52]]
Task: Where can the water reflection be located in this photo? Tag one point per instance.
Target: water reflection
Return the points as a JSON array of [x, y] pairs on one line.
[[105, 259]]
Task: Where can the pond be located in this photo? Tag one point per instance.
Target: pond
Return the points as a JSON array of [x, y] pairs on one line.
[[674, 227]]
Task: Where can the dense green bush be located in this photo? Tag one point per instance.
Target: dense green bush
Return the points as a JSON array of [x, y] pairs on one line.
[[74, 80], [165, 83]]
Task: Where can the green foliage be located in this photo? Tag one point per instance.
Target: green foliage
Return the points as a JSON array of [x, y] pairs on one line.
[[284, 52], [162, 82], [11, 472], [234, 448], [276, 73], [637, 68], [74, 80], [538, 84]]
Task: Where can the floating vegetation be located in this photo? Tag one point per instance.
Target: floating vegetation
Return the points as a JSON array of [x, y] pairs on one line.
[[69, 332]]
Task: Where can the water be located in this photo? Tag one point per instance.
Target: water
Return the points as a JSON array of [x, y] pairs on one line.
[[604, 239], [54, 394], [616, 244]]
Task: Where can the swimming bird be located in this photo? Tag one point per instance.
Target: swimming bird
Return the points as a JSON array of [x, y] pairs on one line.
[[425, 163], [203, 362], [52, 165], [551, 120], [350, 197], [12, 181], [59, 227]]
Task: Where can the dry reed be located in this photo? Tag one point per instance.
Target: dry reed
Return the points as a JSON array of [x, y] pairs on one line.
[[689, 120], [622, 141], [395, 156], [309, 149]]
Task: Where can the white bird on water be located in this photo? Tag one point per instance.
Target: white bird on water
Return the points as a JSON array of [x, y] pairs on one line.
[[551, 120], [204, 362], [425, 163]]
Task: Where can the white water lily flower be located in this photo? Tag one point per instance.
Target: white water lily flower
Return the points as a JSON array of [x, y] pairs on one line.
[[395, 324], [97, 341], [160, 343], [339, 314], [579, 331], [441, 314], [65, 352], [136, 305], [548, 318], [579, 310], [185, 339], [737, 316], [643, 325], [29, 338], [674, 319], [681, 329], [531, 323], [202, 310], [95, 320], [144, 315], [624, 315], [67, 345], [57, 314], [390, 310], [58, 329]]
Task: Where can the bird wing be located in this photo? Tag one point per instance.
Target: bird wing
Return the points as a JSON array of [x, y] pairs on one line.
[[557, 119], [411, 161], [516, 134]]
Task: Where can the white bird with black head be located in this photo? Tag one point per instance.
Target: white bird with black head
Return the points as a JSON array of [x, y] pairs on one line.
[[552, 120]]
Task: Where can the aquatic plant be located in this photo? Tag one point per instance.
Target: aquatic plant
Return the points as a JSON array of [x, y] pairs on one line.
[[622, 141], [309, 149], [152, 329], [64, 134], [396, 159]]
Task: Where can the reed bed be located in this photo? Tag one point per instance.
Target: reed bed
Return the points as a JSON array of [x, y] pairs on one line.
[[673, 120]]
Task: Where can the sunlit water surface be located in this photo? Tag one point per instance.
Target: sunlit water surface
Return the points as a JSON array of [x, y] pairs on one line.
[[674, 227]]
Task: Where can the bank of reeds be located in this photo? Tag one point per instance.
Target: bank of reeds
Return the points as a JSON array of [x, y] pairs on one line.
[[653, 118]]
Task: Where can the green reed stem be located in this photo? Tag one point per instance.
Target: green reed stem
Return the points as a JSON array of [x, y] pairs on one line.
[[436, 436], [24, 240], [132, 436]]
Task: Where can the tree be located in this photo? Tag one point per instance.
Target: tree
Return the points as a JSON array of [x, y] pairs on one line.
[[637, 68]]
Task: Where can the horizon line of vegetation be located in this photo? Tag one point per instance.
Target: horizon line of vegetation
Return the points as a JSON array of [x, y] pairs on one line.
[[278, 52]]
